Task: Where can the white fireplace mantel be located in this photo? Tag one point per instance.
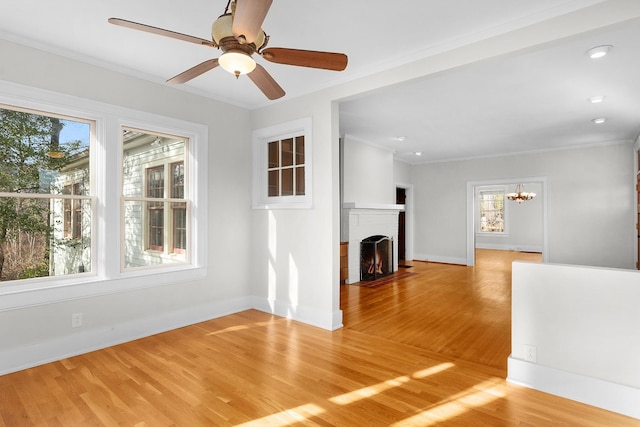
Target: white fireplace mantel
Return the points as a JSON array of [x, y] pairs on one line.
[[377, 206], [365, 220]]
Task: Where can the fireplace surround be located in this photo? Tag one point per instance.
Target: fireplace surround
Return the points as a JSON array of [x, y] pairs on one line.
[[361, 221]]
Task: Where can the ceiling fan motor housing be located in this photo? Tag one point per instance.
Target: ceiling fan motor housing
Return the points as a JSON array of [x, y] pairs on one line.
[[221, 31]]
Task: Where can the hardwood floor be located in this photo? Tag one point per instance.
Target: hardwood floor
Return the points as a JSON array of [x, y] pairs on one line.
[[428, 348]]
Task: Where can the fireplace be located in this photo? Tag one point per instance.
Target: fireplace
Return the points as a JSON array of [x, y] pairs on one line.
[[376, 257], [362, 220]]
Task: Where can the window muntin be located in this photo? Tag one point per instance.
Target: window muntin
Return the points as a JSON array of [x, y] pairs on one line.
[[286, 167], [46, 198], [282, 166], [492, 211], [155, 216]]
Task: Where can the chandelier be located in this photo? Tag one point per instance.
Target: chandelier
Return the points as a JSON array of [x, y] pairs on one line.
[[519, 195]]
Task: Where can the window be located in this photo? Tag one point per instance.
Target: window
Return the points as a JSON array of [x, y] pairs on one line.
[[76, 210], [286, 167], [155, 214], [45, 194], [282, 166], [492, 210]]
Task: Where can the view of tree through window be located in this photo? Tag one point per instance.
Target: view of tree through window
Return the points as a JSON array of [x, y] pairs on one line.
[[45, 199]]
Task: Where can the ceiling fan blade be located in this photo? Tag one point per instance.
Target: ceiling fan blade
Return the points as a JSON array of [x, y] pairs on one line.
[[194, 72], [266, 83], [248, 18], [161, 32], [306, 58]]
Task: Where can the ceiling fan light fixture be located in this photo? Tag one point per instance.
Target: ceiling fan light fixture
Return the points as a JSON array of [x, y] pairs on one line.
[[237, 62]]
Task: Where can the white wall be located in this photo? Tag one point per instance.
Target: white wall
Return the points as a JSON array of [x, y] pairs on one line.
[[524, 224], [38, 333], [295, 252], [401, 172], [368, 173], [583, 323], [590, 203]]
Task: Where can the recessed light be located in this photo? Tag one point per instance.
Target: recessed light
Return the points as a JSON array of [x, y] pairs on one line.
[[599, 120], [596, 99], [599, 51], [400, 138], [418, 153]]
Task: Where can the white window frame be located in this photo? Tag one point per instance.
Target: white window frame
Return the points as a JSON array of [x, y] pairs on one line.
[[492, 188], [261, 139], [106, 275]]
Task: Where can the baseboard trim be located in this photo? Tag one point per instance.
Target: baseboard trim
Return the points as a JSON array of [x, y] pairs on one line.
[[321, 319], [592, 391], [440, 259], [502, 247], [17, 359]]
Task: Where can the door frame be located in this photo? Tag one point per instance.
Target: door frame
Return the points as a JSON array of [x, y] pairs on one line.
[[471, 217], [408, 219]]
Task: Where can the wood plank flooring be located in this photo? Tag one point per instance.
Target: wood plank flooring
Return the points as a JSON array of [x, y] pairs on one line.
[[427, 349]]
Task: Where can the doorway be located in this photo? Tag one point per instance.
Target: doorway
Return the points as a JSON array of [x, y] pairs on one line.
[[472, 212], [401, 197]]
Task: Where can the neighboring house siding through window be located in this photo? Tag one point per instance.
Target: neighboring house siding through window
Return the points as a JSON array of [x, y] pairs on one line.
[[156, 211]]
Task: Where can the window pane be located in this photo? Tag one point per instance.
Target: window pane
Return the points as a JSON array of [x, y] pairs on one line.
[[287, 182], [44, 155], [71, 247], [177, 180], [274, 154], [179, 212], [274, 183], [287, 152], [299, 150], [36, 150], [136, 252], [492, 212], [153, 173], [300, 181]]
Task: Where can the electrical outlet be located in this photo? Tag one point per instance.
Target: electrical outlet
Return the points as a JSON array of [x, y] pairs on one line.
[[530, 353], [76, 320]]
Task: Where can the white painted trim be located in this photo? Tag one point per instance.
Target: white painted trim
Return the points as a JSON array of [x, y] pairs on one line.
[[16, 359], [592, 391], [311, 316], [440, 259], [408, 219], [260, 138], [471, 206], [519, 248], [376, 206]]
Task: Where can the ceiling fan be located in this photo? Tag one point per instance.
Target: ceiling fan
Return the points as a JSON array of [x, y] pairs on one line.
[[239, 34]]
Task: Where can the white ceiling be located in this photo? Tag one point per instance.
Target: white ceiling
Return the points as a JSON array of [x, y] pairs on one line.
[[533, 101]]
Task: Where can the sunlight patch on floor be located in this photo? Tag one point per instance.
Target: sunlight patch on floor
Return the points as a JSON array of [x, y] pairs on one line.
[[474, 397], [286, 417], [366, 392]]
